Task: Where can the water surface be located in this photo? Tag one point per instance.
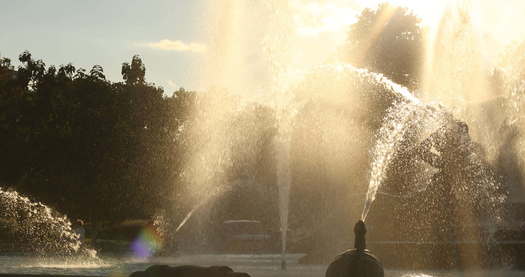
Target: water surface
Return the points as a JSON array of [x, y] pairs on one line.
[[261, 265]]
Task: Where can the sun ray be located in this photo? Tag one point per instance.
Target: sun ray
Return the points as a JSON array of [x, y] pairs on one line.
[[384, 17]]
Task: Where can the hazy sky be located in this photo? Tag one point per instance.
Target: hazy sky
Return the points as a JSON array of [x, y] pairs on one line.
[[170, 34], [107, 33]]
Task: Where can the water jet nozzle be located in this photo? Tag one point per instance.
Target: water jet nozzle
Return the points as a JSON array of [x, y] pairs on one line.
[[360, 232], [358, 261]]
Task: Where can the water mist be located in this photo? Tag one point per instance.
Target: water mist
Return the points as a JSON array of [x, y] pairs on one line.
[[38, 225]]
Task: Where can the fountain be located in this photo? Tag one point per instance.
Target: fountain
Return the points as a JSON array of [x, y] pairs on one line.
[[372, 92], [403, 124], [41, 229], [284, 180], [331, 124]]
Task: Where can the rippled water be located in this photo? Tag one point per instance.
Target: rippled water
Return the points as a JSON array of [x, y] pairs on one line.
[[256, 265]]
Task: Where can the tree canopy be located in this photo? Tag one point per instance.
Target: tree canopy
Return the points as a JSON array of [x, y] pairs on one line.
[[90, 147], [388, 40], [103, 150]]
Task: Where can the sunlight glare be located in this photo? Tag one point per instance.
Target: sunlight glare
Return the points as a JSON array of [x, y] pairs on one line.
[[430, 11], [315, 18]]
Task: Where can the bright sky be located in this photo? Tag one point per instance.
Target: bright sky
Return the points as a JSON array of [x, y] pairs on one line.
[[164, 32], [168, 34]]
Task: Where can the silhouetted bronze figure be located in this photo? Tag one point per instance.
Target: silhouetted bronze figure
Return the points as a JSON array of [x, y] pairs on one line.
[[357, 262]]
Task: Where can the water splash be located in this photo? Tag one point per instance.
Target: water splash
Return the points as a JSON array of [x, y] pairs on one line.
[[462, 199], [402, 118], [38, 227]]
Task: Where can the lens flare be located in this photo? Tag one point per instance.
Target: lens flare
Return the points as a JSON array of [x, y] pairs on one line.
[[147, 243]]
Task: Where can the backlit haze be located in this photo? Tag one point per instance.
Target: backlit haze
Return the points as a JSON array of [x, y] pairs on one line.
[[278, 114], [269, 51], [173, 37]]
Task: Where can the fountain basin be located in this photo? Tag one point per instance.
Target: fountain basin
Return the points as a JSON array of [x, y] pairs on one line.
[[255, 265]]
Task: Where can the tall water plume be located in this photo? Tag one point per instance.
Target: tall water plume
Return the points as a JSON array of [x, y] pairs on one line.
[[463, 44], [268, 52], [474, 67], [464, 68], [284, 182], [255, 54]]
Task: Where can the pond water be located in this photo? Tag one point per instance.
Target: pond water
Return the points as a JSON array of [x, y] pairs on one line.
[[266, 265]]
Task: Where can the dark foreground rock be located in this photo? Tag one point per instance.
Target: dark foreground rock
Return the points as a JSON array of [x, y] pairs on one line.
[[188, 271]]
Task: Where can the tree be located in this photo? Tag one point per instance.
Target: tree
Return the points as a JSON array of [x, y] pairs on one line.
[[134, 73], [97, 72], [388, 40], [32, 71], [72, 139]]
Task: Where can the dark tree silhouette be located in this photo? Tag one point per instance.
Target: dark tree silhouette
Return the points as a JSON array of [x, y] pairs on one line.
[[87, 146], [388, 40], [100, 150], [135, 72]]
